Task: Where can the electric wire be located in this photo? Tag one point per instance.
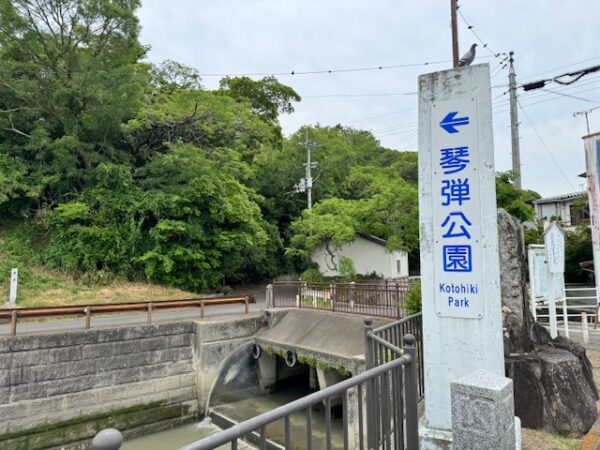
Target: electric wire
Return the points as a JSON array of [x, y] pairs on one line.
[[572, 96], [324, 71], [544, 145], [472, 29], [561, 67]]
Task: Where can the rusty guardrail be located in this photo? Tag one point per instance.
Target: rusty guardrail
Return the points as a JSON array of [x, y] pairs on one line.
[[14, 314], [373, 299]]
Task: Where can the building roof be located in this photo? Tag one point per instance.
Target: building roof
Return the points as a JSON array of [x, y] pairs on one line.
[[375, 239], [560, 198]]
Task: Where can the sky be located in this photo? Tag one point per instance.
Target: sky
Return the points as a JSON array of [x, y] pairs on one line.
[[548, 37]]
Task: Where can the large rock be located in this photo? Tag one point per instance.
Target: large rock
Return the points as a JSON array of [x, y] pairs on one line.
[[513, 285], [553, 381]]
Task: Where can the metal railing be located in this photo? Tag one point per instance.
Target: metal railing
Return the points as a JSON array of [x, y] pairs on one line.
[[86, 311], [393, 333], [383, 399], [577, 305], [373, 299]]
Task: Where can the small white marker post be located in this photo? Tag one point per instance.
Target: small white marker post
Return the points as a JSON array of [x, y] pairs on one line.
[[14, 278], [554, 240], [584, 328]]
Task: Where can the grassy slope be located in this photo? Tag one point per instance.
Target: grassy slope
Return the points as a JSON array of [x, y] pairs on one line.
[[22, 246]]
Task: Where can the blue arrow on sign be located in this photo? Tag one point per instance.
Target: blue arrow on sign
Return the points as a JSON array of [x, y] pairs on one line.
[[449, 122]]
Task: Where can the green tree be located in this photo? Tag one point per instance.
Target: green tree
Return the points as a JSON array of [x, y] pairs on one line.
[[578, 248], [170, 75], [201, 226], [267, 97], [516, 202], [213, 122], [99, 230], [69, 76]]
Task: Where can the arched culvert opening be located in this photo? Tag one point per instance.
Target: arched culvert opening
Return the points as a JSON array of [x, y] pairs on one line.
[[282, 379]]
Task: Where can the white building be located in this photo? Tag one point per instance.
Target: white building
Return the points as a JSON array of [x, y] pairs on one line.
[[561, 206], [368, 253]]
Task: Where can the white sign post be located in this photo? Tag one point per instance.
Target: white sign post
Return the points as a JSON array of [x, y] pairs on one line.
[[554, 240], [538, 278], [592, 164], [462, 322], [14, 278]]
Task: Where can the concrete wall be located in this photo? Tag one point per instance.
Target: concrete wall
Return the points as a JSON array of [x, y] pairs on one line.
[[367, 256], [62, 388], [58, 390], [216, 346]]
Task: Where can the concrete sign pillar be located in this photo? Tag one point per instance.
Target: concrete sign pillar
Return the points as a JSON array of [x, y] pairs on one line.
[[462, 322], [592, 164]]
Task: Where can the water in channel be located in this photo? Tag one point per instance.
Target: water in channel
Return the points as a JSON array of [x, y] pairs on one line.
[[245, 409]]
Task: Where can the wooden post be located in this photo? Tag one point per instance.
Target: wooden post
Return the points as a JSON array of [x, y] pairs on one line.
[[13, 322], [202, 309], [88, 317], [453, 9], [246, 305], [149, 313]]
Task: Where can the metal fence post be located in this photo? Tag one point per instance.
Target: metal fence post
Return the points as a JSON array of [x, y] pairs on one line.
[[88, 317], [13, 322], [149, 313], [371, 398], [411, 394]]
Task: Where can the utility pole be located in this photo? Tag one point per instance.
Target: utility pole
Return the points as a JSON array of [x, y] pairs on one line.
[[514, 122], [587, 120], [308, 174], [453, 9], [305, 184]]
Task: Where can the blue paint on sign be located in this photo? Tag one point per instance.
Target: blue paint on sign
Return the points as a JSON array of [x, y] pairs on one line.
[[457, 258], [455, 220], [450, 122], [454, 159]]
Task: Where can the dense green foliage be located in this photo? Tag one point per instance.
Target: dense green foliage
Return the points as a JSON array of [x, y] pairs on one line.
[[118, 168], [578, 248], [413, 302]]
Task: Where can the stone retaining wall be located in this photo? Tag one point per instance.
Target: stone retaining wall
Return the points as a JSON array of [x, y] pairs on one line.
[[62, 388]]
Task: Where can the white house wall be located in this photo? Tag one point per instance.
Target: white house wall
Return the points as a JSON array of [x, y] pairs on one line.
[[367, 257]]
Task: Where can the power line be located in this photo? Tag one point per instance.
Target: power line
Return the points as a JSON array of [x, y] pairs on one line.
[[471, 28], [562, 67], [382, 115], [546, 100], [530, 95], [572, 96], [545, 146], [324, 71], [377, 94], [574, 77]]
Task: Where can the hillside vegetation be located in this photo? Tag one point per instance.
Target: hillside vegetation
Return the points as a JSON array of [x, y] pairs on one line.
[[116, 170]]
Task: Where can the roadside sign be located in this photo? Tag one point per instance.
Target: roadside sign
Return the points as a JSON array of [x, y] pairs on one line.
[[456, 208], [554, 240], [460, 274]]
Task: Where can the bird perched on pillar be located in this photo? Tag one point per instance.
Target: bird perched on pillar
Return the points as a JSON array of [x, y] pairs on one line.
[[468, 57]]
